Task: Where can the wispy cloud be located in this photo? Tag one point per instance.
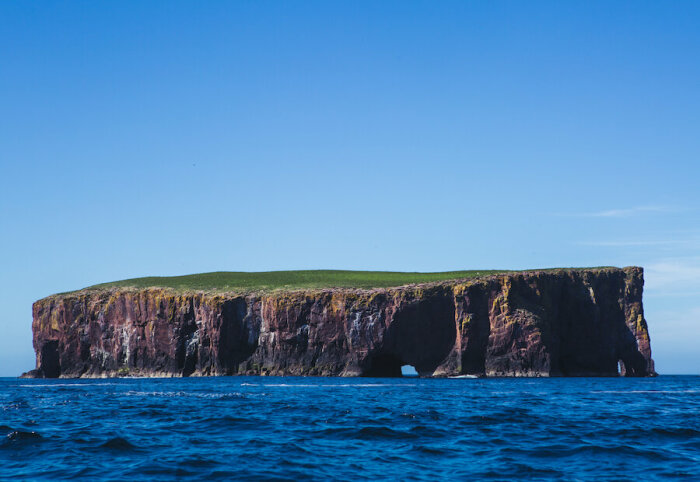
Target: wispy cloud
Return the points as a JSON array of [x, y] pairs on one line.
[[632, 243], [679, 274], [623, 212], [670, 294], [686, 321], [672, 308], [687, 239], [675, 335]]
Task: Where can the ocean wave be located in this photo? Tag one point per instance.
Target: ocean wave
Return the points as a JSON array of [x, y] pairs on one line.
[[118, 443], [19, 436]]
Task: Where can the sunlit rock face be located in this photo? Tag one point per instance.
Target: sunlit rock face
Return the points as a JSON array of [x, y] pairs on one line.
[[538, 323]]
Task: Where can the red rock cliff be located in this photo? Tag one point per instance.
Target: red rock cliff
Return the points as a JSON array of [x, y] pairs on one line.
[[539, 323]]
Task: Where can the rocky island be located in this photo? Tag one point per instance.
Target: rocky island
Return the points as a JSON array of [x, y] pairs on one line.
[[557, 322]]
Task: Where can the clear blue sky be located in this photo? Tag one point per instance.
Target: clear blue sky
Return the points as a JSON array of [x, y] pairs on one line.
[[163, 138]]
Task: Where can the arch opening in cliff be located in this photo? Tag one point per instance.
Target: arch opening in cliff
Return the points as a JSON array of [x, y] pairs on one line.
[[409, 371], [421, 334], [633, 364]]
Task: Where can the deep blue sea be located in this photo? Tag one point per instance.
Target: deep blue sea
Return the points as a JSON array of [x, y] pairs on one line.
[[361, 428]]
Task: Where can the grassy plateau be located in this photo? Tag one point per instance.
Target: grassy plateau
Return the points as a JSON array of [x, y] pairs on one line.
[[224, 281]]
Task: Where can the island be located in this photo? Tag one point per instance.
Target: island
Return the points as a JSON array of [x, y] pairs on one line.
[[553, 322]]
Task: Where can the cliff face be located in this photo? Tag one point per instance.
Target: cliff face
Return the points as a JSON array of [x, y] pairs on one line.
[[540, 323]]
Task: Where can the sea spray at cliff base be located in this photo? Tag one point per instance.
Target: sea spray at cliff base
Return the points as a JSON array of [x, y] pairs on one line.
[[562, 322]]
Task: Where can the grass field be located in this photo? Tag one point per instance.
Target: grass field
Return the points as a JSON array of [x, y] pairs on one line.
[[238, 281], [274, 280]]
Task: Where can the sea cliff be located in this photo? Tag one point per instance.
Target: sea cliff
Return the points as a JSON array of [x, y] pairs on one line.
[[568, 322]]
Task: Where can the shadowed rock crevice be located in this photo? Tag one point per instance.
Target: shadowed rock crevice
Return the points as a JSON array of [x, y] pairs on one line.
[[187, 342], [238, 337], [473, 320], [49, 365]]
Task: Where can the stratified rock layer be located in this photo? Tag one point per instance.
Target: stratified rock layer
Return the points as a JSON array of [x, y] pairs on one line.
[[539, 323]]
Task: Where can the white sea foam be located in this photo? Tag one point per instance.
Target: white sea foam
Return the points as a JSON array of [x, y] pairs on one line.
[[328, 385], [51, 385], [133, 393], [645, 391]]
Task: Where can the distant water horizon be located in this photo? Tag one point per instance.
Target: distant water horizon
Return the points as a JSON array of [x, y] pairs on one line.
[[287, 428]]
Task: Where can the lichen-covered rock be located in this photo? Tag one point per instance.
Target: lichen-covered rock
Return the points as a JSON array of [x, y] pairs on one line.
[[539, 323]]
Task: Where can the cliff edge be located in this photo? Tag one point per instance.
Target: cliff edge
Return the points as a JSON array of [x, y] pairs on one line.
[[567, 322]]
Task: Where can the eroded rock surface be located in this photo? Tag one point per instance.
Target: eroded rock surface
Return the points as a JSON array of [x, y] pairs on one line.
[[538, 323]]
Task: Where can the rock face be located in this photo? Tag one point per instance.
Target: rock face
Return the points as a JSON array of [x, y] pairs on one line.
[[539, 323]]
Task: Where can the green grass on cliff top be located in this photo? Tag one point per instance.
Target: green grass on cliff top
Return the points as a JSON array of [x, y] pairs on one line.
[[223, 281], [275, 280]]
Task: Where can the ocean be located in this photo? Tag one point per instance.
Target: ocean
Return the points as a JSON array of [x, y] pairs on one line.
[[289, 428]]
